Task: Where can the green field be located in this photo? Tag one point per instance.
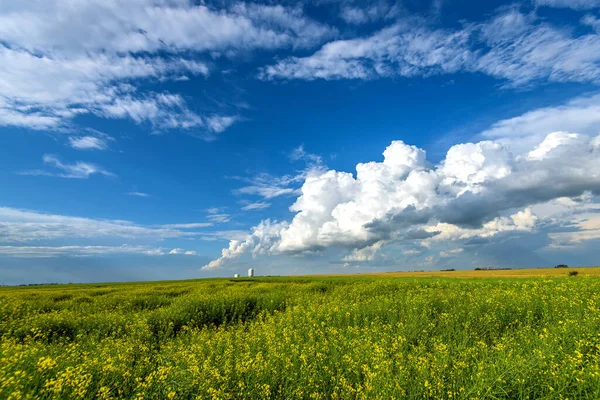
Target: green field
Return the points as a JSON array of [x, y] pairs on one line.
[[309, 338]]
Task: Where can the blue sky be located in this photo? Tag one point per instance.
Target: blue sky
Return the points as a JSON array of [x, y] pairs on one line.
[[168, 139]]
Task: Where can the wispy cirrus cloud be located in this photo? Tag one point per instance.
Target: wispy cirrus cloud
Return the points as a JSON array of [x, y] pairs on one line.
[[219, 218], [138, 194], [190, 225], [24, 226], [88, 143], [313, 161], [374, 12], [232, 234], [87, 251], [518, 48], [77, 170], [268, 186], [574, 4], [259, 205], [218, 123]]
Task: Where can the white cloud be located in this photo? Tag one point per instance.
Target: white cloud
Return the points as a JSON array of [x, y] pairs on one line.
[[411, 252], [263, 240], [78, 170], [219, 218], [354, 15], [551, 142], [404, 49], [479, 190], [592, 22], [59, 59], [366, 254], [156, 25], [511, 46], [260, 205], [375, 12], [313, 161], [47, 91], [138, 194], [523, 221], [179, 251], [24, 226], [586, 228], [79, 251], [581, 115], [574, 4], [162, 111], [88, 143], [192, 225], [218, 123], [577, 218], [451, 253], [269, 186]]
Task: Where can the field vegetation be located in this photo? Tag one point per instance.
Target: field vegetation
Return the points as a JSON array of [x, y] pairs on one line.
[[358, 337]]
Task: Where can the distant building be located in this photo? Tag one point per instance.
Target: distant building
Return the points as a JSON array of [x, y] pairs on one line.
[[251, 272], [236, 275]]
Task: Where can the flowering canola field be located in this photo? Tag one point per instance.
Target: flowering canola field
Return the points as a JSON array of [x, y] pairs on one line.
[[306, 338]]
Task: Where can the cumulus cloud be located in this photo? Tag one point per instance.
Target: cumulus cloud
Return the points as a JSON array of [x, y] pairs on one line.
[[479, 190], [59, 59], [77, 170], [577, 220], [515, 47], [366, 254], [551, 142]]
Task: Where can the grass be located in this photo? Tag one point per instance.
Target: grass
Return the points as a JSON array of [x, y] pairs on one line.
[[365, 336], [510, 273]]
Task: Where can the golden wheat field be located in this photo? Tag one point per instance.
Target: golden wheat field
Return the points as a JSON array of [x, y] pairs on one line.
[[533, 336]]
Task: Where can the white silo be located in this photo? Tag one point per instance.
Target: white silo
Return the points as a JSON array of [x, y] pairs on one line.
[[251, 272], [236, 275]]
